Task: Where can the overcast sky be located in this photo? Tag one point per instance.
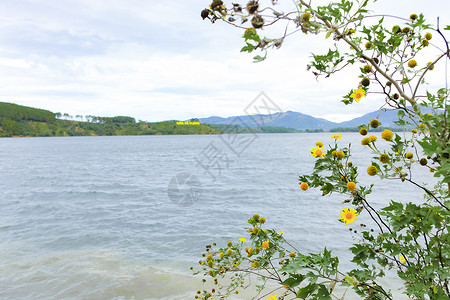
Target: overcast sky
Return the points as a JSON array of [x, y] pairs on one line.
[[158, 60]]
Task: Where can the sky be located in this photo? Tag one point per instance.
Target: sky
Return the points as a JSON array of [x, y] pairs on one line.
[[158, 60]]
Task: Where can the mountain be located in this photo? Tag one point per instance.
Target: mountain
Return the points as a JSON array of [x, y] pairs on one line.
[[299, 121], [386, 119], [289, 119]]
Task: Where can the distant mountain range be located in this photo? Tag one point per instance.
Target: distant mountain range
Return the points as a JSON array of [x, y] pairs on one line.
[[296, 120]]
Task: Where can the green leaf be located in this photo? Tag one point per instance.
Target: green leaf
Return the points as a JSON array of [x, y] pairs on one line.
[[294, 280], [303, 293], [249, 48]]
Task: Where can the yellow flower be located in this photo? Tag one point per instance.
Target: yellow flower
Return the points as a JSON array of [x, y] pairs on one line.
[[221, 255], [229, 252], [317, 152], [336, 136], [292, 254], [265, 245], [413, 17], [319, 144], [304, 186], [402, 259], [387, 135], [281, 232], [372, 138], [351, 186], [358, 94], [348, 215], [428, 36], [274, 297], [372, 170], [367, 69], [421, 126], [384, 158], [374, 123], [363, 131], [409, 155], [340, 154], [365, 141], [414, 131], [412, 63], [262, 220], [242, 240], [230, 243]]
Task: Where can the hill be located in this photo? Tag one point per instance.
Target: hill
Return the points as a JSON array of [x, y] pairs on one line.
[[17, 120]]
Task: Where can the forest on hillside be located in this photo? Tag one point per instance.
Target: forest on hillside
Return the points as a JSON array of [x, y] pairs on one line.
[[17, 120]]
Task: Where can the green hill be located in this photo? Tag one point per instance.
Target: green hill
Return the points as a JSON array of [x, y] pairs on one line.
[[17, 120]]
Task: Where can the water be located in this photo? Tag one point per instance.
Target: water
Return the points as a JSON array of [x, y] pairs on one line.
[[90, 217]]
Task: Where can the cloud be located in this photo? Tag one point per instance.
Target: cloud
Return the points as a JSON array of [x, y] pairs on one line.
[[157, 60]]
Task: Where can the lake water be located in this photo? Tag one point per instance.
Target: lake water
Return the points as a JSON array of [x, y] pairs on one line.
[[106, 218]]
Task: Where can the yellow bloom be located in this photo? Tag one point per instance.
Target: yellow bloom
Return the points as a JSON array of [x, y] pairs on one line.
[[372, 138], [304, 186], [348, 215], [402, 259], [265, 245], [409, 155], [372, 170], [387, 135], [412, 63], [274, 297], [365, 141], [319, 144], [292, 254], [428, 36], [367, 68], [317, 152], [351, 186], [358, 94], [414, 131], [336, 136], [363, 131], [262, 220], [229, 252], [230, 243], [421, 126], [281, 232], [374, 123], [340, 154], [384, 158], [221, 255], [242, 240]]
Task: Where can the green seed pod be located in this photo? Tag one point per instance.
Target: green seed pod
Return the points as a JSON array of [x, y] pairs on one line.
[[365, 82], [257, 22]]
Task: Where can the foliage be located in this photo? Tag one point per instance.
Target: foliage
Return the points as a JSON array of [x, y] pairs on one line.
[[411, 239], [19, 113]]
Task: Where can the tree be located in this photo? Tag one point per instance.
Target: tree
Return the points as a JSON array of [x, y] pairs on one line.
[[411, 239]]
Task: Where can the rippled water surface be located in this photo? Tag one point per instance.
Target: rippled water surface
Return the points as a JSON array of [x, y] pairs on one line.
[[90, 217]]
